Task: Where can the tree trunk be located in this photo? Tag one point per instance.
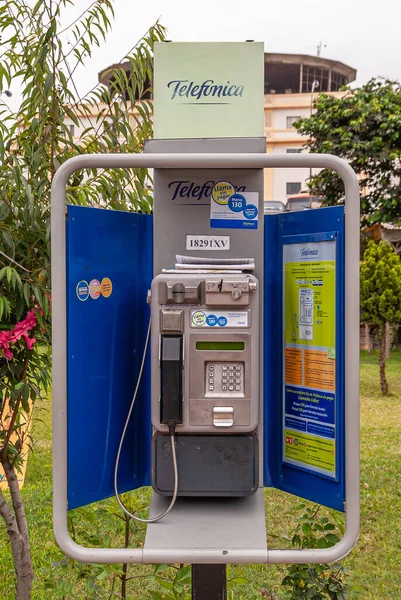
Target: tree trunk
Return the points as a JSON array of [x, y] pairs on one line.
[[369, 345], [382, 359], [388, 339], [17, 529]]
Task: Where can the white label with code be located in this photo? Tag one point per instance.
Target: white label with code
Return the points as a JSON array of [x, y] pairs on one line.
[[208, 242]]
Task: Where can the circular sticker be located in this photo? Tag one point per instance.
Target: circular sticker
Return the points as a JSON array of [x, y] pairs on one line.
[[82, 290], [222, 191], [236, 203], [222, 321], [198, 318], [106, 287], [94, 289], [211, 320], [250, 211]]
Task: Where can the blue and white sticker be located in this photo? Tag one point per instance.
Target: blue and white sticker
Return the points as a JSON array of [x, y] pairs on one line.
[[211, 320], [82, 290], [219, 318], [232, 210]]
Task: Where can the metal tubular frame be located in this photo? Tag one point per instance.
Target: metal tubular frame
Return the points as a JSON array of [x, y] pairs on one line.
[[205, 161]]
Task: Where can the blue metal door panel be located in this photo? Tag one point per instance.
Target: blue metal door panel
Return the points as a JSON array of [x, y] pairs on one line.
[[303, 226], [109, 270]]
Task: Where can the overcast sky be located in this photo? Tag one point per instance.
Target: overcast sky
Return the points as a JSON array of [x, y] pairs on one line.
[[364, 34]]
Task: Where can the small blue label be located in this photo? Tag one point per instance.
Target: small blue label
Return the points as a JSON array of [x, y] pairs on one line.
[[237, 203], [211, 320], [250, 211], [222, 321], [82, 290]]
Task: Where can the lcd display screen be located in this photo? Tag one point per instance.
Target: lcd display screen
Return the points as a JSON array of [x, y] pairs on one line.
[[224, 346]]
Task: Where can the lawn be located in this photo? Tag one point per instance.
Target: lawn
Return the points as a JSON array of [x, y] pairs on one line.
[[374, 565]]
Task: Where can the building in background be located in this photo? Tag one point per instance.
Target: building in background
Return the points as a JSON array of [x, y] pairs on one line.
[[291, 81]]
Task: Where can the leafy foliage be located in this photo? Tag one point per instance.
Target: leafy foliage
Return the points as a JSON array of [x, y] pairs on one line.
[[316, 582], [381, 295], [364, 127], [380, 285], [41, 55]]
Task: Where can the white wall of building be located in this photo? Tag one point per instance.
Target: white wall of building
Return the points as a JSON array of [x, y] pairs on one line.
[[280, 117], [283, 176]]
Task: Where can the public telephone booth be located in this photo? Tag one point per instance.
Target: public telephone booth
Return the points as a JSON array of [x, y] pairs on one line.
[[210, 350]]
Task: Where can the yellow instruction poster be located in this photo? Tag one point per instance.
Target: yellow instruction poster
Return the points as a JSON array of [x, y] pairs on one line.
[[309, 362]]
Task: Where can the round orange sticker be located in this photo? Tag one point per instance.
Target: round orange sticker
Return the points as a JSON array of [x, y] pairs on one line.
[[106, 287]]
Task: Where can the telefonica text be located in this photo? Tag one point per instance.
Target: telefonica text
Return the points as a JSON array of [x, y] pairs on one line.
[[188, 189], [305, 252], [185, 88]]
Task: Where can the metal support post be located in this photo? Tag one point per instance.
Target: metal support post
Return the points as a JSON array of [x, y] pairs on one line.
[[209, 582]]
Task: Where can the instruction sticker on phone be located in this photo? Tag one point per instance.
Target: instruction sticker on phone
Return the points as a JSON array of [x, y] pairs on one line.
[[231, 210]]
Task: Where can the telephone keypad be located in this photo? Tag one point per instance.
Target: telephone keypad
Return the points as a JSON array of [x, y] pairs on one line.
[[224, 379]]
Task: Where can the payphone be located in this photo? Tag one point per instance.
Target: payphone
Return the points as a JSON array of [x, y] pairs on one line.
[[205, 374], [227, 387]]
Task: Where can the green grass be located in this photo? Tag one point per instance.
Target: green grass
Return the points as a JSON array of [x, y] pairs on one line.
[[374, 565]]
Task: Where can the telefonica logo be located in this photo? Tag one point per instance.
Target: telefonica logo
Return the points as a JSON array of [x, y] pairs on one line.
[[187, 189], [184, 88], [305, 252]]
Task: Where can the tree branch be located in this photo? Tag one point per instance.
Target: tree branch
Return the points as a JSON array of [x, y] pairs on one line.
[[8, 516], [3, 450], [16, 499]]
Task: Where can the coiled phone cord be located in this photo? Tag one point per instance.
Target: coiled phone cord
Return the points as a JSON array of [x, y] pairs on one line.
[[172, 437]]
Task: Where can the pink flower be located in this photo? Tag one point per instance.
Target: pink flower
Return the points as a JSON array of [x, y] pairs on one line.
[[30, 342], [7, 353], [5, 337], [20, 330]]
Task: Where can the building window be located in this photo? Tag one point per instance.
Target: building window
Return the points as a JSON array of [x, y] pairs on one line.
[[293, 187], [293, 150], [311, 74], [337, 81], [291, 120], [72, 129]]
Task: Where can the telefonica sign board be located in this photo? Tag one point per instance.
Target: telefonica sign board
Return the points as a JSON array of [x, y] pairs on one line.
[[208, 90]]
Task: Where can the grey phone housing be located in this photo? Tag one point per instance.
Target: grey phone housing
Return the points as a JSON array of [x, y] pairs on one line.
[[220, 383]]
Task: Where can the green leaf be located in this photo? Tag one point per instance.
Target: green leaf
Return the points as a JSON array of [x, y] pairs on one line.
[[7, 239], [4, 211], [25, 397], [183, 575], [48, 83], [306, 529], [331, 538], [159, 568], [26, 291]]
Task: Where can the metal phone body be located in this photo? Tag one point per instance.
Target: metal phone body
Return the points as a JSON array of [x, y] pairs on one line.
[[217, 316]]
